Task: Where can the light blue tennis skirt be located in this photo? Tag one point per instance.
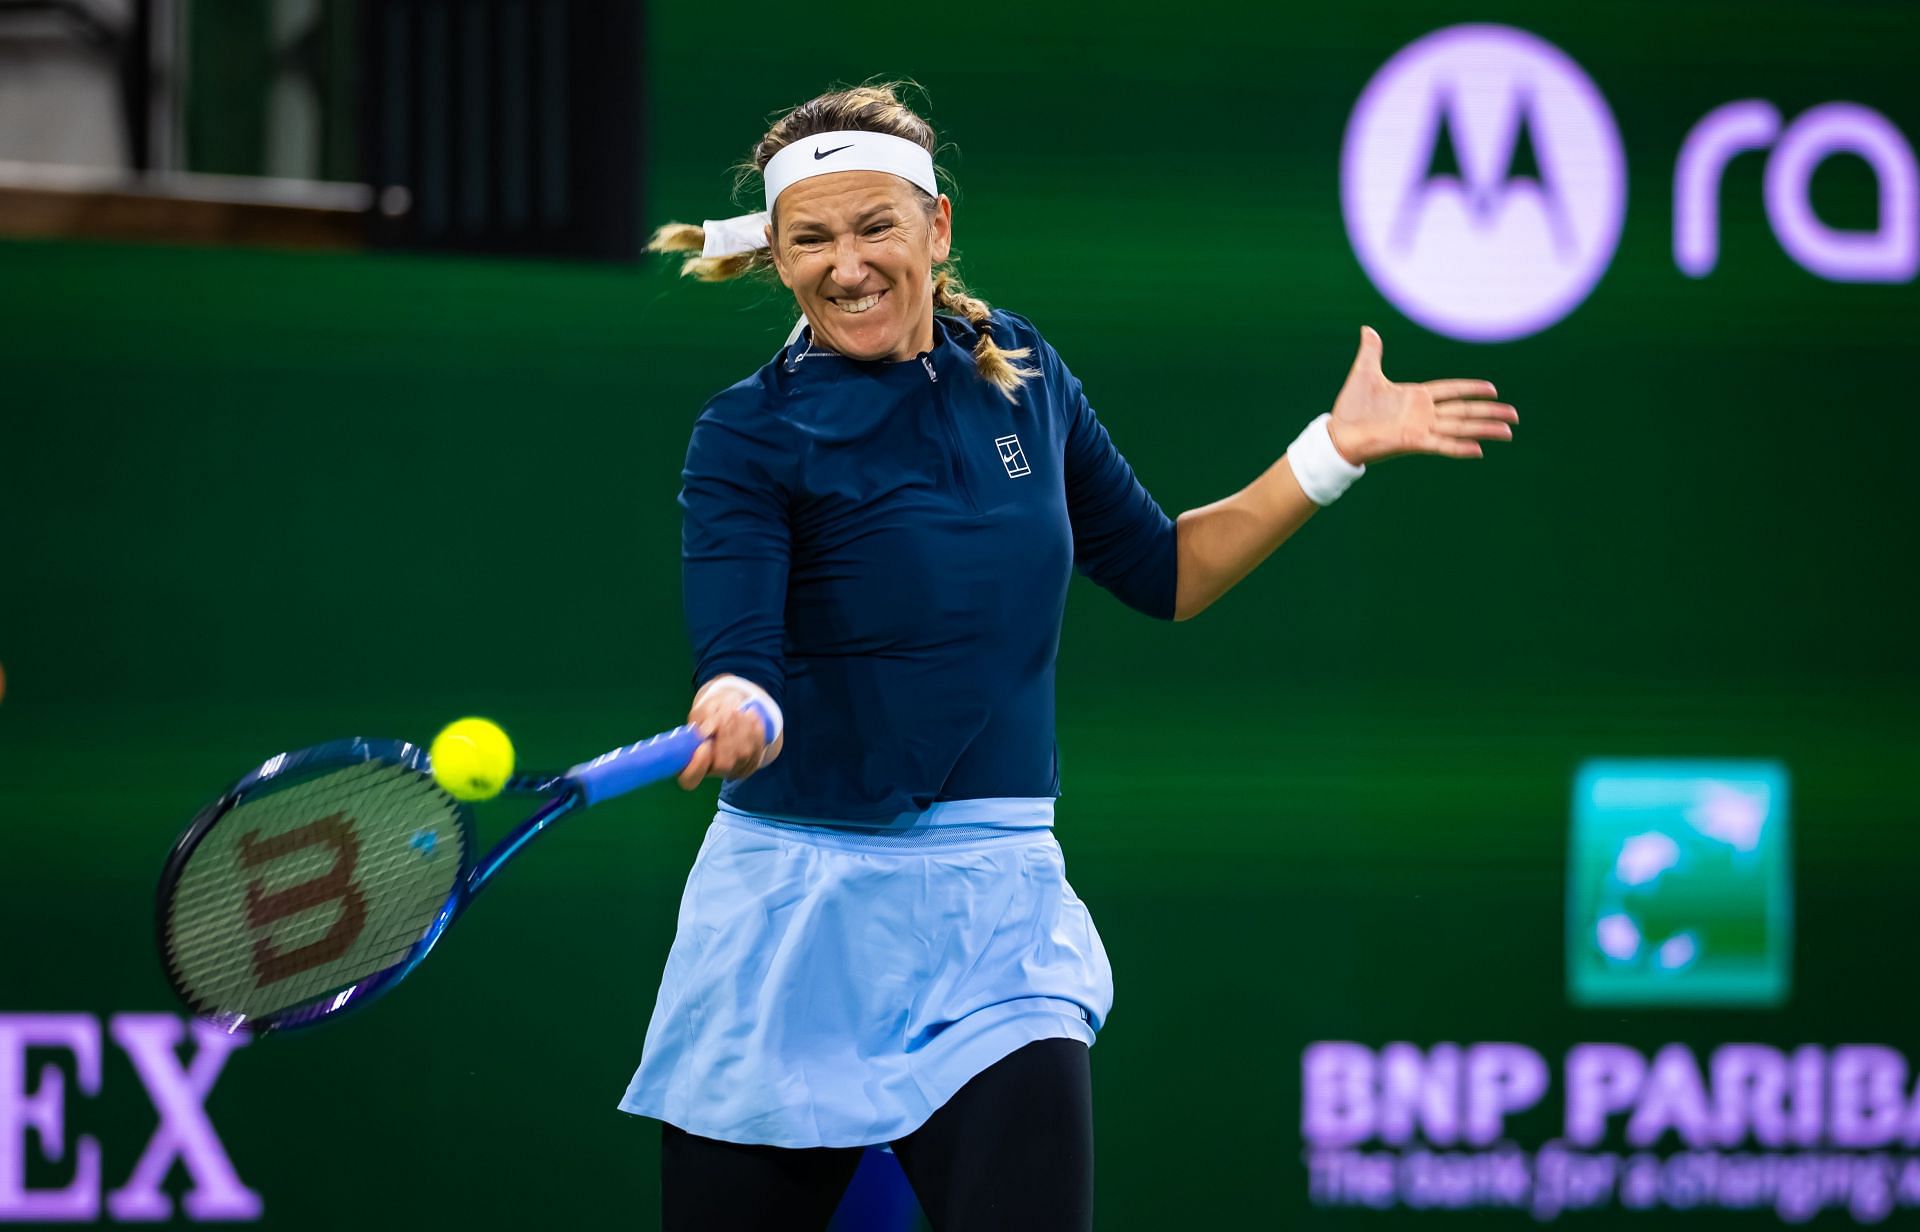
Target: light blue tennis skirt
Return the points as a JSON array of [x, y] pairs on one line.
[[834, 985]]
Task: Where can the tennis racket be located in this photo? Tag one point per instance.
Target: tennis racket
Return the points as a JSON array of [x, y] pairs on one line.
[[324, 876]]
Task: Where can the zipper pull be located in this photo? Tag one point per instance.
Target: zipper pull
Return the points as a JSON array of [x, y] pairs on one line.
[[926, 361]]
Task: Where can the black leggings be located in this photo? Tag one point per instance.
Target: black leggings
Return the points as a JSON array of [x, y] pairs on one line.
[[1013, 1149]]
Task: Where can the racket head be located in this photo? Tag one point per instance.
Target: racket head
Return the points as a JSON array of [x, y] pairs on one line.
[[318, 880]]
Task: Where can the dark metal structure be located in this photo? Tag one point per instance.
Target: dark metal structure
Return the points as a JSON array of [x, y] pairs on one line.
[[485, 126], [504, 125]]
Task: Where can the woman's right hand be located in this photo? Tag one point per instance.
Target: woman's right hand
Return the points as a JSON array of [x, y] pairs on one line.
[[735, 743]]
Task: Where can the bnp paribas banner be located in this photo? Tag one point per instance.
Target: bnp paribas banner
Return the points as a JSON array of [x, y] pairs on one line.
[[1679, 894]]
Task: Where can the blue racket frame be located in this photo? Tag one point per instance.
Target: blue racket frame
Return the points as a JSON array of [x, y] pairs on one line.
[[610, 775]]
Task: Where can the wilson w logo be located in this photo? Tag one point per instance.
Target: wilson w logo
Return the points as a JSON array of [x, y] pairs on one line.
[[335, 885]]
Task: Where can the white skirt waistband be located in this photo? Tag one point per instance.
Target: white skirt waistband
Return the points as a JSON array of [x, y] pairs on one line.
[[943, 822]]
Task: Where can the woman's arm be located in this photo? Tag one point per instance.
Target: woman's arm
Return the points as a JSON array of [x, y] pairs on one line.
[[1225, 541], [735, 546], [1373, 419]]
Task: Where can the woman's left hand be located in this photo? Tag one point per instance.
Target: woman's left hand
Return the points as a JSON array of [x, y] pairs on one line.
[[1375, 419]]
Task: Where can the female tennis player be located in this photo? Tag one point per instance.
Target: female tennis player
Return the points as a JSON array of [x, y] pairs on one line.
[[877, 942]]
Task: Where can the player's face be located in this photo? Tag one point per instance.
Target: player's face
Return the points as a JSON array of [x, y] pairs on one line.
[[857, 249]]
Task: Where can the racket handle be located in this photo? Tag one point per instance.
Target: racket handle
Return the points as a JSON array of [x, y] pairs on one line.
[[658, 757]]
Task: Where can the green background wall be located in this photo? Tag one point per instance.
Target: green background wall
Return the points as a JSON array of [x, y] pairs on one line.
[[250, 501]]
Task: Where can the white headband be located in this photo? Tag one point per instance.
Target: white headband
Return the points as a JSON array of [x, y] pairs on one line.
[[822, 154]]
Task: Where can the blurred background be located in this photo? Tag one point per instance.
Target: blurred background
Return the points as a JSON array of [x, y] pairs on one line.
[[1529, 836]]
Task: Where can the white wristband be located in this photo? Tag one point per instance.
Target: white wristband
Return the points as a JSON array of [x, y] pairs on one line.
[[749, 692], [1322, 472]]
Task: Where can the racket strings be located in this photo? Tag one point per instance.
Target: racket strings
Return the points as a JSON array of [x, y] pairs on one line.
[[300, 892]]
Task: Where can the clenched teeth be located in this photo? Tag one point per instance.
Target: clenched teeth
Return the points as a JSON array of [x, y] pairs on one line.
[[858, 305]]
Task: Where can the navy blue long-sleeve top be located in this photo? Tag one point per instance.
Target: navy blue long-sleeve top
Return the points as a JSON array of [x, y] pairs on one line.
[[885, 548]]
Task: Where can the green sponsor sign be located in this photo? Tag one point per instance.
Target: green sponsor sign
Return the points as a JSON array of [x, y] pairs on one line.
[[1679, 884]]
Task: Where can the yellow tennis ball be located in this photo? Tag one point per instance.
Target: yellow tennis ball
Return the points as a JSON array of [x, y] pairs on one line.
[[472, 759]]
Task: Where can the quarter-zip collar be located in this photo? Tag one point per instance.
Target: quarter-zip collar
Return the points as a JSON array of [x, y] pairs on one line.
[[803, 367]]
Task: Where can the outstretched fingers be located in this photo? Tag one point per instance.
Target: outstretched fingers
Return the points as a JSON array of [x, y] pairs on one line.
[[1455, 387], [1497, 411], [1450, 446], [1487, 421], [1458, 427]]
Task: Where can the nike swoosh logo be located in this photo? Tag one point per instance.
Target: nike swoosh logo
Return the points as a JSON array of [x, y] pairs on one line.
[[818, 154]]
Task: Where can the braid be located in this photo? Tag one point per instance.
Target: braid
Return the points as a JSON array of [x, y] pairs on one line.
[[994, 363]]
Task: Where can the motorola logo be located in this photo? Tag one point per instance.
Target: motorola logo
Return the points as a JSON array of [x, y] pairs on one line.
[[1484, 187], [1483, 182]]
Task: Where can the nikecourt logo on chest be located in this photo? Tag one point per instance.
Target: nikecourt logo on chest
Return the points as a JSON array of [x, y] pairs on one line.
[[1012, 457]]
